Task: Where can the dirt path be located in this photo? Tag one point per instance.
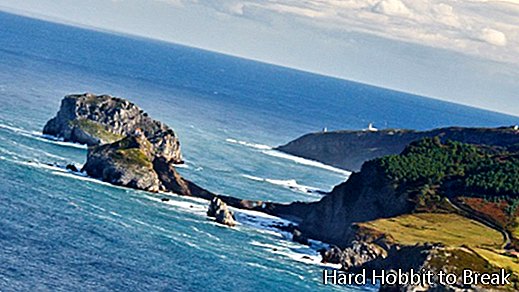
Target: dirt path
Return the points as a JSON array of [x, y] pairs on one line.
[[467, 212]]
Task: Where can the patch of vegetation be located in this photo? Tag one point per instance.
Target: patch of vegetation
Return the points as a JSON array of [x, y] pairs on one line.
[[468, 244], [96, 130], [455, 260], [448, 229], [132, 157], [502, 261], [457, 167]]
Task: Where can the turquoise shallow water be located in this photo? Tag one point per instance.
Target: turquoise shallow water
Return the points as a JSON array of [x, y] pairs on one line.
[[65, 232]]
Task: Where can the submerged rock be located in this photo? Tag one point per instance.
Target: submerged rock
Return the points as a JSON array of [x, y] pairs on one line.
[[222, 214], [298, 236], [72, 168], [100, 119]]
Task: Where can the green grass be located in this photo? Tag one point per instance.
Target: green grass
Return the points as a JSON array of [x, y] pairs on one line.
[[498, 259], [449, 229], [97, 130], [133, 157], [469, 244]]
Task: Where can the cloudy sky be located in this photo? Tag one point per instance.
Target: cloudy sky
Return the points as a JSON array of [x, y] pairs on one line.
[[466, 51]]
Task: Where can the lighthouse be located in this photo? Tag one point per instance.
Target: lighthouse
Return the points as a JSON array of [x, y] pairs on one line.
[[371, 128]]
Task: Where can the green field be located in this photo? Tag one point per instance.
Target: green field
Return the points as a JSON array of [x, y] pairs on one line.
[[449, 229]]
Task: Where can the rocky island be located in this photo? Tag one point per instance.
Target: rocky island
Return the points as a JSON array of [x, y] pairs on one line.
[[439, 200], [127, 147], [101, 119]]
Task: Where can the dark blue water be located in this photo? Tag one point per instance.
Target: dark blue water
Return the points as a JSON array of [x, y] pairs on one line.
[[63, 232]]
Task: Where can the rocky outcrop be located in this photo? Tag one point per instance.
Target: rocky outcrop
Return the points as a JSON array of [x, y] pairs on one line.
[[100, 119], [434, 258], [360, 253], [350, 149], [365, 196], [172, 181], [128, 148], [332, 255], [132, 162], [128, 162], [219, 210]]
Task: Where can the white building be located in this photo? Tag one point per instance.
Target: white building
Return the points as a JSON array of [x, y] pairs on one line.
[[371, 128]]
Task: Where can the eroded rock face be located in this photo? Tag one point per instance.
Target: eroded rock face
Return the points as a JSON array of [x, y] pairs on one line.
[[127, 162], [93, 120], [366, 196], [360, 253], [331, 255], [222, 214]]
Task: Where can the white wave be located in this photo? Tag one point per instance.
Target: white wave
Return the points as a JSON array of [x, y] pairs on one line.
[[41, 137], [115, 214], [293, 251], [205, 233], [84, 177], [36, 164], [260, 222], [57, 141], [109, 218], [8, 152], [50, 155], [289, 183], [251, 145], [307, 162], [187, 206]]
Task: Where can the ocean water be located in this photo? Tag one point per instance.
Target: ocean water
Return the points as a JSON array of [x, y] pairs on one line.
[[63, 232]]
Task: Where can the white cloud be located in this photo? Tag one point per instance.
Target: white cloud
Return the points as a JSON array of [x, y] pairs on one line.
[[486, 28], [391, 7], [493, 37]]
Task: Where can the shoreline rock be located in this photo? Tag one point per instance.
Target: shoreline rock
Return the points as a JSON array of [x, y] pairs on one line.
[[219, 210]]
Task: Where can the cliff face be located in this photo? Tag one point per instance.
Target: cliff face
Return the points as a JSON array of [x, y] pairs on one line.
[[94, 120], [427, 177], [127, 162], [350, 149], [132, 162], [367, 195]]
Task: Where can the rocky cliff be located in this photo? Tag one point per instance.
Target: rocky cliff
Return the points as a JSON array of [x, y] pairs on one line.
[[367, 195], [350, 149], [422, 178], [93, 120]]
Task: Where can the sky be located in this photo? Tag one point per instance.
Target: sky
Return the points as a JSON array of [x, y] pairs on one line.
[[460, 51]]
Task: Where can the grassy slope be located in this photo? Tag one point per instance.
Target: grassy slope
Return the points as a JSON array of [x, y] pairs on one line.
[[452, 230], [97, 130], [448, 229]]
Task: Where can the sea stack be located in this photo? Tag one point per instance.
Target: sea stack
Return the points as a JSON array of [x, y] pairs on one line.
[[101, 119], [127, 147]]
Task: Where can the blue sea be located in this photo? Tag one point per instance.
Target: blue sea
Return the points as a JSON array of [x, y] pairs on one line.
[[64, 232]]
